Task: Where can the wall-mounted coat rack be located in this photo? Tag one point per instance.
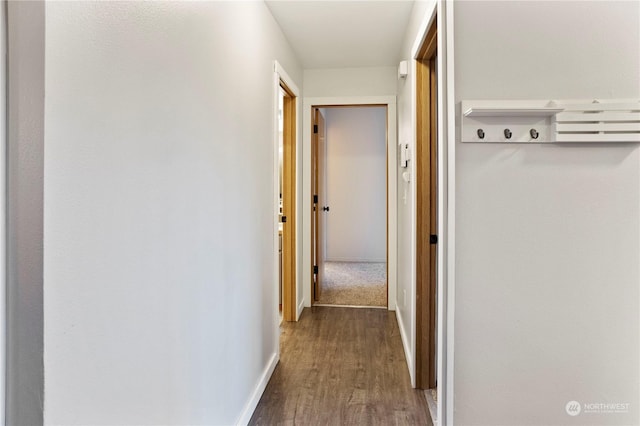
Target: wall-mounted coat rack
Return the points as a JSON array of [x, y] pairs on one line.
[[550, 121]]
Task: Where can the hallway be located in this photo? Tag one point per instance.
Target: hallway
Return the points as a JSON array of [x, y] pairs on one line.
[[341, 366]]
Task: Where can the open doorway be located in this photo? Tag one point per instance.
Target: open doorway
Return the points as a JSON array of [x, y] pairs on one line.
[[427, 217], [349, 213], [281, 95], [287, 201]]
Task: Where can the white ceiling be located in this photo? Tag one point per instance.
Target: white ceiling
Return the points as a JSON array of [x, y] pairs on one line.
[[343, 34]]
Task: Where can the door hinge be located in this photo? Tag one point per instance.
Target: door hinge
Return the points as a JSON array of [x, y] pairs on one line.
[[315, 128], [433, 239], [315, 199], [284, 219], [315, 269]]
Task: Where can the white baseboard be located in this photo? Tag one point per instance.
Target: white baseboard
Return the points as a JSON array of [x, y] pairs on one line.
[[251, 405], [407, 350], [433, 407], [300, 308]]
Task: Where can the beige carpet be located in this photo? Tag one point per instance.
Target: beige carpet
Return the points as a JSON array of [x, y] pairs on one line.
[[354, 283]]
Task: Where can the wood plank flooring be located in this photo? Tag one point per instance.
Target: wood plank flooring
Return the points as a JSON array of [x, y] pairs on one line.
[[341, 366]]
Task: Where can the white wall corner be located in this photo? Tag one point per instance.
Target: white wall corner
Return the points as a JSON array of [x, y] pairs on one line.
[[447, 284]]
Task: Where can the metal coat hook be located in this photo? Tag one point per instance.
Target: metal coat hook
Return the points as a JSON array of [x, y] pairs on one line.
[[534, 133], [481, 133], [507, 133]]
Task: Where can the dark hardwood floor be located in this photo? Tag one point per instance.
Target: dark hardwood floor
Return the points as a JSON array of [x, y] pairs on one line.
[[341, 366]]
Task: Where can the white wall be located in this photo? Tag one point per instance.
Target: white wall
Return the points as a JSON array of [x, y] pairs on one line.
[[3, 206], [24, 213], [160, 303], [356, 184], [548, 237], [374, 81]]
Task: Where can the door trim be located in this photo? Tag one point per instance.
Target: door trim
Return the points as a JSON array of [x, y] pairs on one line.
[[442, 14], [307, 201], [317, 245], [289, 205], [314, 210], [290, 309], [426, 211]]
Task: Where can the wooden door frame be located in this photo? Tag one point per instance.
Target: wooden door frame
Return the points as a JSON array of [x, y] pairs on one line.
[[289, 204], [283, 82], [316, 245], [441, 14], [314, 154], [307, 201], [426, 210]]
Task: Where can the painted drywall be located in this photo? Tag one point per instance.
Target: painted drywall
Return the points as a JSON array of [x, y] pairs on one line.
[[406, 191], [374, 81], [25, 151], [160, 301], [3, 217], [355, 170], [547, 236]]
